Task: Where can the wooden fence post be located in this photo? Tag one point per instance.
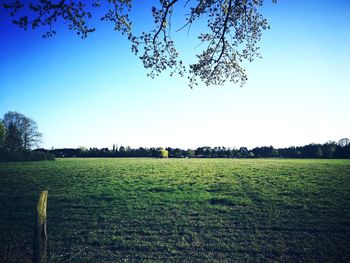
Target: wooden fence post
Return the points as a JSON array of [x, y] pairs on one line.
[[40, 236]]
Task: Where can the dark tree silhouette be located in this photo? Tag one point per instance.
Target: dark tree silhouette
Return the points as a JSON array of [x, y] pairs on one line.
[[21, 131], [2, 134], [328, 149], [13, 140], [234, 29]]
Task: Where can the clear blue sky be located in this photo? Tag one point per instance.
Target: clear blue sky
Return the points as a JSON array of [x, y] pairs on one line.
[[95, 92]]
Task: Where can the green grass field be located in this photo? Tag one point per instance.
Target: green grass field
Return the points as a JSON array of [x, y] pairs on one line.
[[110, 210]]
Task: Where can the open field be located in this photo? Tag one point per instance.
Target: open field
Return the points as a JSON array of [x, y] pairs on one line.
[[107, 210]]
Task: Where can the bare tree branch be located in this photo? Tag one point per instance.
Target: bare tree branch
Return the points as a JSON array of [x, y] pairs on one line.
[[234, 30]]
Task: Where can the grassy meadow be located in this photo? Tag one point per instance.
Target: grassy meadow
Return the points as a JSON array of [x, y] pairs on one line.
[[111, 210]]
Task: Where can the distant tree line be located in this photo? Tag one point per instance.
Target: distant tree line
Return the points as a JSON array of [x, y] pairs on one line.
[[328, 150], [18, 136]]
